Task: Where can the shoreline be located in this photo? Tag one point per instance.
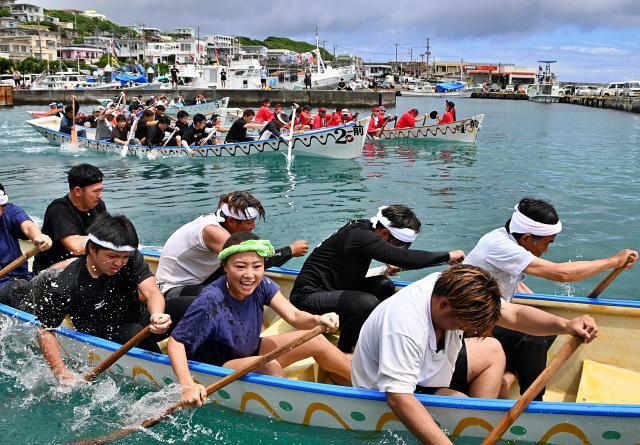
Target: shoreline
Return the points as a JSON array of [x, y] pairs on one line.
[[628, 104]]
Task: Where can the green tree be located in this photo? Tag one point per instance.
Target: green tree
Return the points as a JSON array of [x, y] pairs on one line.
[[6, 65], [5, 12], [32, 65]]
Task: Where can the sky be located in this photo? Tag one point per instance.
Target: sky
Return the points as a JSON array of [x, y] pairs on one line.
[[592, 40]]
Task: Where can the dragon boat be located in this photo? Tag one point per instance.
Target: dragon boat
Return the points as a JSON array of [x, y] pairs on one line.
[[342, 142], [593, 400], [465, 130]]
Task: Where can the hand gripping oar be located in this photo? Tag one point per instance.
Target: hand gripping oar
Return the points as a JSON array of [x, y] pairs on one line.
[[153, 153], [74, 130], [608, 279], [257, 363], [144, 333], [132, 132], [18, 261], [556, 363]]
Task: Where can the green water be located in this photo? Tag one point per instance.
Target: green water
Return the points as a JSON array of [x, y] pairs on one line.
[[583, 160]]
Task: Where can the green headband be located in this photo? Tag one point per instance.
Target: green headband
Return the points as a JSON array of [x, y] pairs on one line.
[[262, 247]]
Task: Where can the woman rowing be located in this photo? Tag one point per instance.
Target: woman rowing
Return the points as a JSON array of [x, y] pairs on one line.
[[222, 326]]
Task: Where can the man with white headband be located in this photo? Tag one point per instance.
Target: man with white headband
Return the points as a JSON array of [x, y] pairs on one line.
[[15, 224], [190, 260], [515, 249], [334, 277], [100, 292]]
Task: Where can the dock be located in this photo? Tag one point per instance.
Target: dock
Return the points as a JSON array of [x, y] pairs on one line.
[[237, 98]]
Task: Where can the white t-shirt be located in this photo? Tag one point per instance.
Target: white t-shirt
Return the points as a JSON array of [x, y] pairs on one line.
[[186, 260], [499, 253], [397, 347]]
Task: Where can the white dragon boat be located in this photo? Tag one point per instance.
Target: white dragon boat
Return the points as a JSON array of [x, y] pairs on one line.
[[342, 142], [465, 130]]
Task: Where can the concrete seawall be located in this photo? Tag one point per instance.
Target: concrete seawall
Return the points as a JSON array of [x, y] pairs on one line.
[[503, 96], [237, 98], [631, 104]]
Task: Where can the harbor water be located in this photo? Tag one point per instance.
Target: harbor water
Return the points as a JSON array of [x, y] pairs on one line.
[[585, 161]]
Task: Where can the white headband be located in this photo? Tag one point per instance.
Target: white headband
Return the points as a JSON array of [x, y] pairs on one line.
[[403, 234], [3, 198], [108, 245], [521, 223], [250, 213]]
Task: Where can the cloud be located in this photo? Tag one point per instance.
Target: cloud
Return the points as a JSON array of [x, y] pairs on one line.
[[598, 50]]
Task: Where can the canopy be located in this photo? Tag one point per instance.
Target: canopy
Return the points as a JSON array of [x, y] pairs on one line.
[[449, 86], [137, 74]]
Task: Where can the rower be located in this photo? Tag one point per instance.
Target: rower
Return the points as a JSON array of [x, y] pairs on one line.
[[194, 133], [155, 136], [515, 249], [264, 112], [377, 122], [238, 131], [450, 113], [15, 224], [147, 120], [181, 124], [334, 277], [223, 325], [413, 343], [67, 219], [321, 120], [99, 291], [408, 119], [68, 120], [190, 260], [273, 130]]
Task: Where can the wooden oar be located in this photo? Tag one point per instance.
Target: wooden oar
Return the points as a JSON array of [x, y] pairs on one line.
[[256, 364], [18, 261], [608, 279], [153, 153], [290, 146], [74, 130], [144, 333], [518, 408]]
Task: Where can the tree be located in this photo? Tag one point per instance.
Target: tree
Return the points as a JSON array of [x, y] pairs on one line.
[[5, 12], [6, 65]]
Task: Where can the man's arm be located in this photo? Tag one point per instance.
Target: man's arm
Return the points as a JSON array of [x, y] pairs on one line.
[[52, 354], [579, 270], [160, 321], [32, 231], [75, 244], [284, 254], [416, 418], [533, 321]]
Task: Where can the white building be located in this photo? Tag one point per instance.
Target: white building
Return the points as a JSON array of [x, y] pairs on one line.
[[376, 69], [131, 48], [185, 32], [92, 13], [27, 13]]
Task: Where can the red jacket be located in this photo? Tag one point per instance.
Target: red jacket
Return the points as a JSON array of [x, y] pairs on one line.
[[264, 114], [448, 117], [320, 122], [407, 120]]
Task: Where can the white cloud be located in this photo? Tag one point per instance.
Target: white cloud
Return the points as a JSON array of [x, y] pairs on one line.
[[595, 50]]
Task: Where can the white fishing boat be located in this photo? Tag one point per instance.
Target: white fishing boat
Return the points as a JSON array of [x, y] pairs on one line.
[[546, 88], [342, 142], [593, 399], [465, 130], [70, 80], [448, 89]]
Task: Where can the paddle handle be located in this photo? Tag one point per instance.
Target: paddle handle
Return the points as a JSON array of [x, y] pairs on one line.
[[257, 363], [608, 279], [18, 261], [518, 408], [144, 333]]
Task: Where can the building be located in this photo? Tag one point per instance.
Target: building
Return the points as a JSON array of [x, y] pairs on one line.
[[101, 42], [219, 48], [9, 22], [130, 48], [502, 74], [370, 69], [93, 14], [21, 43], [185, 33], [83, 53], [27, 13]]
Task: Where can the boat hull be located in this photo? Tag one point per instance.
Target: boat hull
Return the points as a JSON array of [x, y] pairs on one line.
[[545, 99], [206, 108], [343, 142], [460, 131], [458, 94], [332, 406]]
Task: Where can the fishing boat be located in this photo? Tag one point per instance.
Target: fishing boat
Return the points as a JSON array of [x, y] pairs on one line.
[[445, 89], [592, 400], [70, 80], [206, 108], [342, 142], [546, 88], [465, 130]]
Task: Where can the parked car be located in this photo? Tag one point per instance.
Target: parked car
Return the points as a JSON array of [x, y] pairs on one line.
[[631, 88], [494, 88], [582, 90], [613, 89], [522, 89], [509, 89]]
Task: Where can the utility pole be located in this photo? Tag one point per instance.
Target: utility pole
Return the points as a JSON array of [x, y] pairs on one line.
[[396, 44], [428, 53], [411, 54], [334, 52]]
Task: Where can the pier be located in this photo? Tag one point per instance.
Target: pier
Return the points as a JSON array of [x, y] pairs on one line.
[[237, 98], [631, 104]]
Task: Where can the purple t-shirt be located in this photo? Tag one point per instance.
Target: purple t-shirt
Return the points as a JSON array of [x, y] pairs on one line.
[[217, 327], [10, 231]]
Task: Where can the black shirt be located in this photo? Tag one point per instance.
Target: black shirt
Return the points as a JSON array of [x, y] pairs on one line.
[[116, 133], [193, 136], [272, 128], [97, 306], [237, 132], [141, 129], [181, 128], [155, 136], [341, 261], [62, 219], [174, 73]]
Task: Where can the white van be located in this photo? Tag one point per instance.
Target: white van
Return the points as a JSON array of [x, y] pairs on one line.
[[631, 88], [613, 89]]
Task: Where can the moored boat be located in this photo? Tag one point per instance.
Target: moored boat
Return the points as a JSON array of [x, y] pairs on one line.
[[465, 130], [579, 406], [206, 108], [343, 142]]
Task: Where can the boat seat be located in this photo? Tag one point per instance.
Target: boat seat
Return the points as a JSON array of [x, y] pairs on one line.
[[601, 383]]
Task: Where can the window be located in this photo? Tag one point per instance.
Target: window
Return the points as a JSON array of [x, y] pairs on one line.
[[4, 48], [185, 47]]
